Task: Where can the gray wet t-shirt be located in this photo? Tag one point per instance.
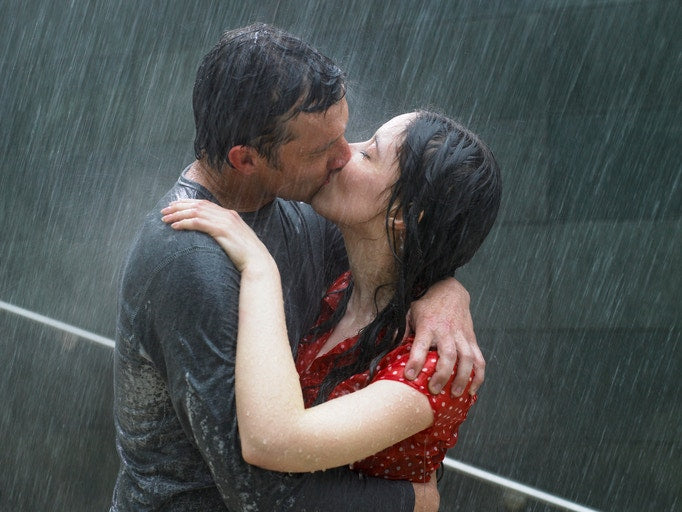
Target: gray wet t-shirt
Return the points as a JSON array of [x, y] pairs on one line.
[[174, 410]]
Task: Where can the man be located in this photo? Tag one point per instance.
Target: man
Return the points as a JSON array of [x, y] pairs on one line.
[[270, 115]]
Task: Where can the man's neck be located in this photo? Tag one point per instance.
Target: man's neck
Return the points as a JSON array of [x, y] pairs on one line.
[[232, 189]]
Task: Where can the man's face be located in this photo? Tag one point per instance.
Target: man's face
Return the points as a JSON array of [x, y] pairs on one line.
[[317, 150]]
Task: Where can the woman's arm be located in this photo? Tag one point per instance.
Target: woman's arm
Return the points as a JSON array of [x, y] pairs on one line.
[[276, 430]]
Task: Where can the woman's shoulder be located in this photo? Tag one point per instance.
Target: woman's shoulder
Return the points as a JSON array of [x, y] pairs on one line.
[[392, 367]]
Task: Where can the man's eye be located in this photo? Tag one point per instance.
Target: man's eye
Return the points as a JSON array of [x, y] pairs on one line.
[[364, 155]]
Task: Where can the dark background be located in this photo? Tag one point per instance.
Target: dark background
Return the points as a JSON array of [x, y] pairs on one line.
[[575, 295]]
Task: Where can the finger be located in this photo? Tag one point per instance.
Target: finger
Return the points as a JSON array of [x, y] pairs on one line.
[[192, 223], [479, 367], [464, 367], [465, 363], [418, 353], [180, 204], [447, 357], [177, 215]]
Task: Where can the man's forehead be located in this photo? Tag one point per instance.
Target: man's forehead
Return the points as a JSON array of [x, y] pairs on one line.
[[317, 131]]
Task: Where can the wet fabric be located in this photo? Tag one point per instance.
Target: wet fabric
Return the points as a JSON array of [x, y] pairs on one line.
[[416, 457], [174, 403]]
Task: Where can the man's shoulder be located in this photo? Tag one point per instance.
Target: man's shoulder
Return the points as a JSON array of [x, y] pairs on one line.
[[156, 244]]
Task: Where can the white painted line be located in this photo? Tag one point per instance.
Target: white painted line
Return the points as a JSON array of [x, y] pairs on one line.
[[57, 324], [510, 484], [448, 462]]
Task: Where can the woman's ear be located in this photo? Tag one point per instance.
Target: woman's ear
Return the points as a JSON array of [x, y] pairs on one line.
[[395, 219], [244, 159], [397, 223]]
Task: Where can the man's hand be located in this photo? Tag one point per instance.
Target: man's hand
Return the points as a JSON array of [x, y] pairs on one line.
[[441, 319], [426, 496]]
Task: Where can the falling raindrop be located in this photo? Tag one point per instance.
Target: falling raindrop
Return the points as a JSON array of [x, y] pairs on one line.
[[575, 295]]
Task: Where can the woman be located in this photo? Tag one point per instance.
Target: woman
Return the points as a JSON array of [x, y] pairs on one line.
[[414, 203]]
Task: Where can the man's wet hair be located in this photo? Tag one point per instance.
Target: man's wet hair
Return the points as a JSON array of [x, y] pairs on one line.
[[252, 82]]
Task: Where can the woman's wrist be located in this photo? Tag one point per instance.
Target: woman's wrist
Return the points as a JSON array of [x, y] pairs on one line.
[[260, 269]]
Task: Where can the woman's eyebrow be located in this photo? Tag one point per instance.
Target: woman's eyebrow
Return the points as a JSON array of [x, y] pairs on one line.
[[376, 143]]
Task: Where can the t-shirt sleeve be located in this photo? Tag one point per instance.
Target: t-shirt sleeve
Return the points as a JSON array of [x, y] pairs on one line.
[[343, 490], [195, 315]]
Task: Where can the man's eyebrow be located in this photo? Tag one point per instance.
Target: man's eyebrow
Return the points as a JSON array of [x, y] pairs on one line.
[[376, 143], [324, 148]]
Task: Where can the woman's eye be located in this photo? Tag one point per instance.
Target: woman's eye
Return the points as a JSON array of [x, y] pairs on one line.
[[364, 155]]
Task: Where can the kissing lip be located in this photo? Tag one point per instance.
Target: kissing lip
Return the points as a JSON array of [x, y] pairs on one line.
[[332, 173]]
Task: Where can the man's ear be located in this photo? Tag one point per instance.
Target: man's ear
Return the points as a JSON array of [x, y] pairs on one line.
[[244, 159]]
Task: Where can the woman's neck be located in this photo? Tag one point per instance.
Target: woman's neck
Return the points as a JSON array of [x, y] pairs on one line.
[[373, 267]]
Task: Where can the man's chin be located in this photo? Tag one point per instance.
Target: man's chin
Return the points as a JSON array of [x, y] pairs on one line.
[[311, 199]]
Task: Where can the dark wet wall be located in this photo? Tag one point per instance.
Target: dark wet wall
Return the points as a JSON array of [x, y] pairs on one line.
[[575, 295]]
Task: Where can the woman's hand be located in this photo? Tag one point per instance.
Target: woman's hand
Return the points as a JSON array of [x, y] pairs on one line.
[[235, 237]]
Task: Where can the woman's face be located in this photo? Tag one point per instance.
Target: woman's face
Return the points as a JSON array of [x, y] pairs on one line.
[[358, 193]]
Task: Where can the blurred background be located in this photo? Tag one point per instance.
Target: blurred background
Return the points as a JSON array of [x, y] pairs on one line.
[[575, 295]]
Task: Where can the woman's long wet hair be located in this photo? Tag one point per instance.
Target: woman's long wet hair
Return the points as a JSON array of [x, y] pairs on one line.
[[448, 192]]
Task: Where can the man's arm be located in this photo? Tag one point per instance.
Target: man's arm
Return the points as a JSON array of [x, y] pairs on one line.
[[441, 318]]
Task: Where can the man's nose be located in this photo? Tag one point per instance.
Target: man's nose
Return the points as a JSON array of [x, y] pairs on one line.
[[342, 155]]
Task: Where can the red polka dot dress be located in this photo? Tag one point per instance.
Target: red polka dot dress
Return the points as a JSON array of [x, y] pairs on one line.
[[416, 457]]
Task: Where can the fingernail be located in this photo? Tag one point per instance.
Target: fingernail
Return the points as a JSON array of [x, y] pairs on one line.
[[458, 391], [410, 374], [435, 389]]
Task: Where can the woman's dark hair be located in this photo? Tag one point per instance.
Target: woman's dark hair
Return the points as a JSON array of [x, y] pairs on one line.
[[448, 192], [251, 83]]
